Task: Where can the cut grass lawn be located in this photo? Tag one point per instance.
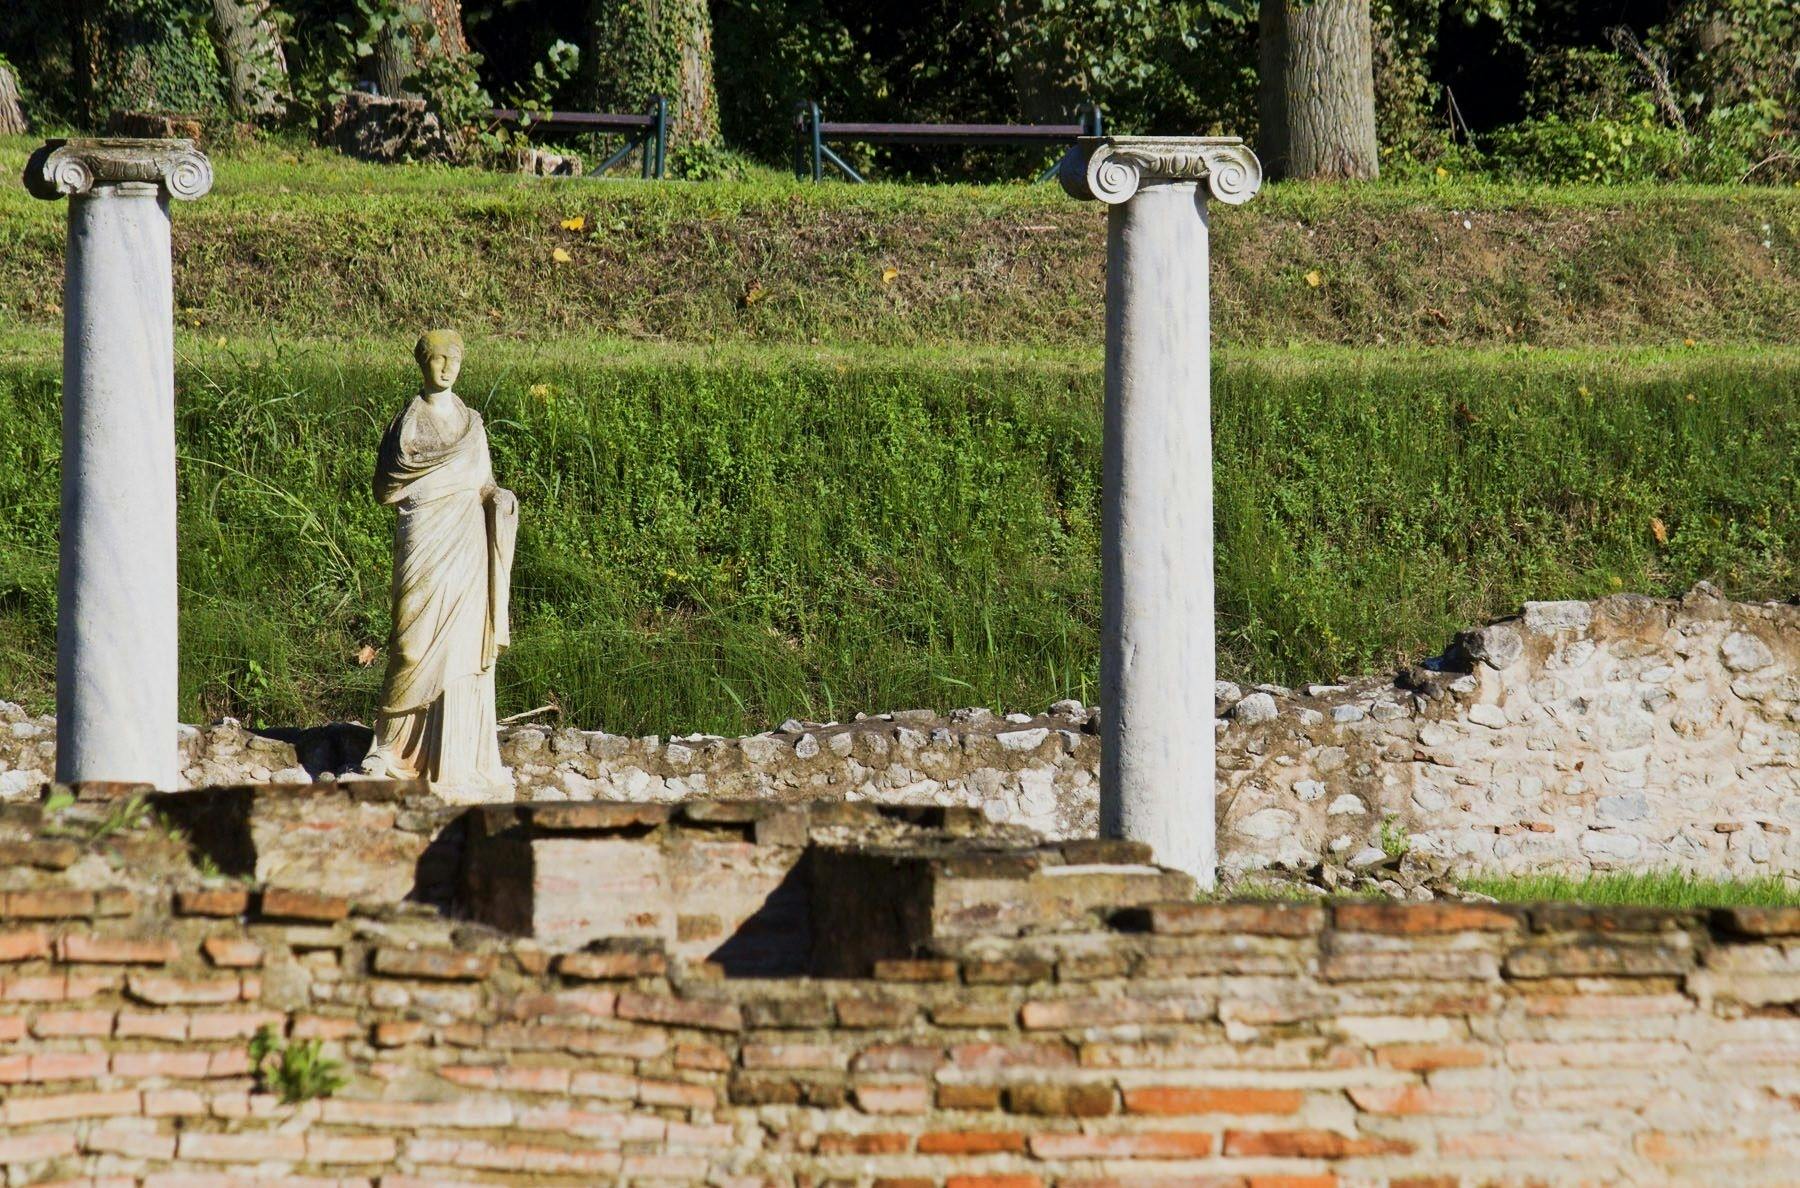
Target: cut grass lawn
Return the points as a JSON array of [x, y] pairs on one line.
[[717, 540], [303, 243]]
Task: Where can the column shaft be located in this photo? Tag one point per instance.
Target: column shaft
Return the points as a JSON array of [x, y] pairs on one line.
[[1157, 642], [116, 656]]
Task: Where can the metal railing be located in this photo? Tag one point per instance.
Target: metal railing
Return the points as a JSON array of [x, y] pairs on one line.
[[813, 134]]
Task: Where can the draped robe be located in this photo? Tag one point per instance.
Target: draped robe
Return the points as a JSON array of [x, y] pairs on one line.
[[453, 547]]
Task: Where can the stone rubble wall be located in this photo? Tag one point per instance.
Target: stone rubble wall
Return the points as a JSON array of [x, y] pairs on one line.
[[1628, 733], [1235, 1045]]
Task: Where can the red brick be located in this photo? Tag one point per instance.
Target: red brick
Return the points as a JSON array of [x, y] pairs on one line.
[[612, 965], [971, 1142], [54, 987], [679, 1094], [171, 991], [213, 901], [904, 1182], [1326, 1180], [987, 1056], [1178, 1144], [1230, 919], [441, 965], [257, 1147], [1172, 1100], [24, 1111], [83, 948], [1415, 919], [221, 1025], [169, 1025], [1061, 1099], [66, 1066], [878, 1143], [788, 1056], [12, 1027], [173, 1103], [46, 905], [24, 944], [874, 1010], [324, 1027], [968, 1097], [702, 1057], [513, 1157], [231, 953], [129, 1139], [1092, 1012], [1760, 921], [398, 1033], [1426, 1057], [189, 1065], [1416, 1099], [280, 903], [72, 1024], [1007, 971], [30, 1148], [338, 1148], [913, 1058], [993, 1181], [912, 1098], [681, 1012], [915, 969], [487, 1113], [511, 1078], [1310, 1144]]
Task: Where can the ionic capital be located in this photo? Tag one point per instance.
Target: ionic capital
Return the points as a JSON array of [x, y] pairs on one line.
[[73, 167], [1112, 168]]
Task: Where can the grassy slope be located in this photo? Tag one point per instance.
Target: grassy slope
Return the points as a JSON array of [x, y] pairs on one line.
[[307, 244], [719, 539]]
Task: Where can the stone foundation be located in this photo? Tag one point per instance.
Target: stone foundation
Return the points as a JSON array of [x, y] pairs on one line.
[[1628, 733]]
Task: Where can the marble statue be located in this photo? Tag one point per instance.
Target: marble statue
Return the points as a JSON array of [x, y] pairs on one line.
[[453, 549]]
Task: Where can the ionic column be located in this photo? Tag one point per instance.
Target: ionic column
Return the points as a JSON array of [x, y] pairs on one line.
[[116, 663], [1156, 538]]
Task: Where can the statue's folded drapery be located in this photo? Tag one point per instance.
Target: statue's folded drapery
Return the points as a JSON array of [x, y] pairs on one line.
[[453, 547]]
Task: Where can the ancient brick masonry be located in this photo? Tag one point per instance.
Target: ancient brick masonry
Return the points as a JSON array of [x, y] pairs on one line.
[[1159, 1044]]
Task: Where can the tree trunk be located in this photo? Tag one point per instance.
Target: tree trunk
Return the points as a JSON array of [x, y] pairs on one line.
[[247, 42], [12, 115], [402, 51], [637, 49], [1317, 89]]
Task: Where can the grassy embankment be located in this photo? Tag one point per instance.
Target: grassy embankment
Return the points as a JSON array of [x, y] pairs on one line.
[[761, 480]]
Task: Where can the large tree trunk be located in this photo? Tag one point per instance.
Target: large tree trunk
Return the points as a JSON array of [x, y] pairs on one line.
[[1317, 89], [12, 115], [245, 36], [637, 49], [402, 51]]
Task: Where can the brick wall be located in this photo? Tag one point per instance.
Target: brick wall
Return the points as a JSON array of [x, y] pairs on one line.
[[1236, 1045]]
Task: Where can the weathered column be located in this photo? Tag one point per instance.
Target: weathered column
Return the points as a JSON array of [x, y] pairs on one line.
[[1156, 643], [116, 675]]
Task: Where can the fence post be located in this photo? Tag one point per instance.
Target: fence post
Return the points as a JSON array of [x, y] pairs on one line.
[[818, 144]]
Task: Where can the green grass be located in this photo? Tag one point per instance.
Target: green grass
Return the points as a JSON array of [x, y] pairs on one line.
[[1663, 888], [305, 243], [716, 539]]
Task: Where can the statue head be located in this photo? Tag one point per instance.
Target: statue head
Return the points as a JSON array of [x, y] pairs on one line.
[[439, 353]]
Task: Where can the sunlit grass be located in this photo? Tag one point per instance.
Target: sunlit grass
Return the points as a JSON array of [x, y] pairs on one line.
[[717, 540], [1666, 888]]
